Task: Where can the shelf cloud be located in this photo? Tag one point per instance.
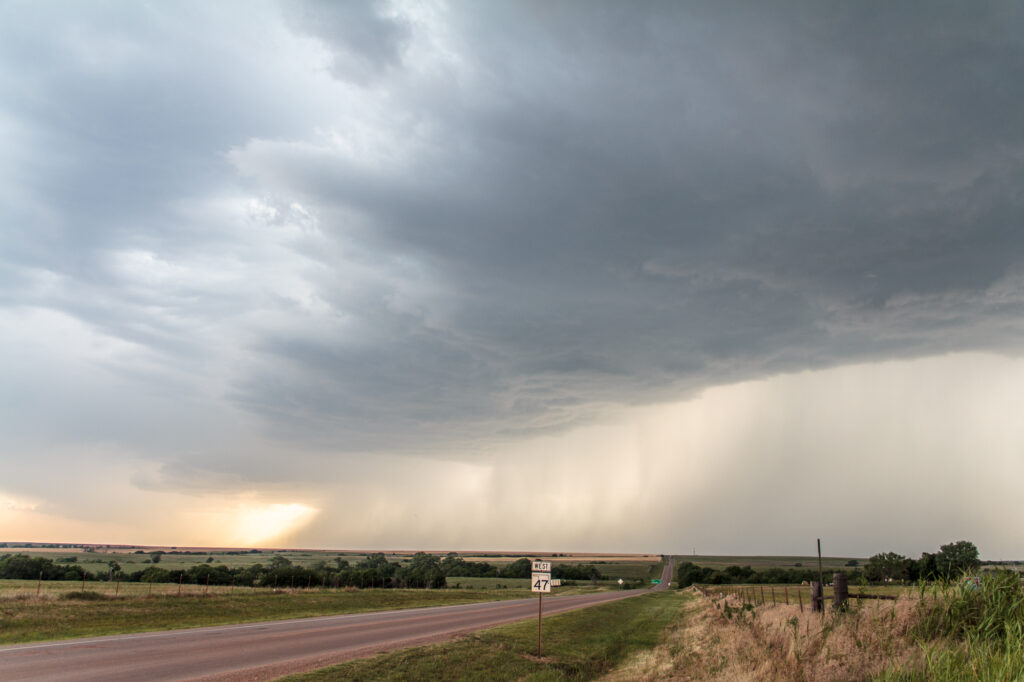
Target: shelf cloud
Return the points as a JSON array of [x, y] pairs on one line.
[[263, 250]]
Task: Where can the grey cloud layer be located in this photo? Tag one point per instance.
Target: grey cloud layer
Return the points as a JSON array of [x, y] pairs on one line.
[[403, 227]]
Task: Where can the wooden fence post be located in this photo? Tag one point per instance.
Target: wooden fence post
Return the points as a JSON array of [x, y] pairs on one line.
[[800, 596], [840, 591], [817, 596]]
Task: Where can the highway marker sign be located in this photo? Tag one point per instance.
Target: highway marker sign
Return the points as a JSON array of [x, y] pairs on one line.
[[541, 582]]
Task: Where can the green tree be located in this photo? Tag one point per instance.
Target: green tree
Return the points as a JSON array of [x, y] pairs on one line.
[[520, 568], [886, 566], [423, 571], [688, 573], [279, 561], [927, 566], [956, 558], [375, 561]]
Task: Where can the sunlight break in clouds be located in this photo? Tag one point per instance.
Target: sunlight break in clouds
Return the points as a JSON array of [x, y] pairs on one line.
[[256, 525]]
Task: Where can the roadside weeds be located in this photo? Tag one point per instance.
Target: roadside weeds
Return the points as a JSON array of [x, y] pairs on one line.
[[718, 638]]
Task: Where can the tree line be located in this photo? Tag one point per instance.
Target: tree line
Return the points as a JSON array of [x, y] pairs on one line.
[[950, 561], [422, 571]]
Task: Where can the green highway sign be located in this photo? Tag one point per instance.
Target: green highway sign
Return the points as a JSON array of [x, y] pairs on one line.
[[655, 582]]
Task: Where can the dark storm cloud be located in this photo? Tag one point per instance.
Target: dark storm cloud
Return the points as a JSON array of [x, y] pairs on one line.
[[500, 217], [362, 40], [629, 201]]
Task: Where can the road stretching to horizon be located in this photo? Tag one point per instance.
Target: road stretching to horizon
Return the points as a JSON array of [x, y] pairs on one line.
[[266, 650]]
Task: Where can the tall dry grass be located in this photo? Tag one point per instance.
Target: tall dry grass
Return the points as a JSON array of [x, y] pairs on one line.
[[969, 630], [721, 638]]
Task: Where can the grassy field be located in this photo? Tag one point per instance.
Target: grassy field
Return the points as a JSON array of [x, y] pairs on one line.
[[489, 583], [503, 588], [580, 645], [24, 618], [24, 589], [99, 561], [130, 561], [955, 631]]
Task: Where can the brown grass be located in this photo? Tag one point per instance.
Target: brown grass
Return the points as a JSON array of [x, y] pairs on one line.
[[719, 639]]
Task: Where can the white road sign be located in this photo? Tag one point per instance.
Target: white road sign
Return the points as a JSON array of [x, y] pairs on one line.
[[556, 582], [541, 566], [540, 582]]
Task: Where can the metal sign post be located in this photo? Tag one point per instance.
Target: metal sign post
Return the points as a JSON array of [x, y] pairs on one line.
[[821, 580], [540, 618], [540, 582]]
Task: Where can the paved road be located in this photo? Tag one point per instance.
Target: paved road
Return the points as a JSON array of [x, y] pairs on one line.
[[261, 651]]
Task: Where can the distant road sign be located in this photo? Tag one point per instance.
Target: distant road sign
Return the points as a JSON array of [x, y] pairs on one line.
[[541, 566], [655, 582], [621, 581], [541, 582], [556, 582]]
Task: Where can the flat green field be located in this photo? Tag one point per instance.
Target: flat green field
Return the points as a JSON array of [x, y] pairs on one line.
[[99, 561], [26, 618], [25, 589], [456, 583], [130, 561]]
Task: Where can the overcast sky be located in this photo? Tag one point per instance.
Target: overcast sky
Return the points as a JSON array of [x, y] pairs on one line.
[[653, 277]]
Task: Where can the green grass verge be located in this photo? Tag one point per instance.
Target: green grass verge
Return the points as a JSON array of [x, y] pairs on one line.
[[579, 645], [969, 632], [30, 619]]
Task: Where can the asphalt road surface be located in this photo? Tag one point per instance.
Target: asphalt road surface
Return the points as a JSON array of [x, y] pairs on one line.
[[262, 651]]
